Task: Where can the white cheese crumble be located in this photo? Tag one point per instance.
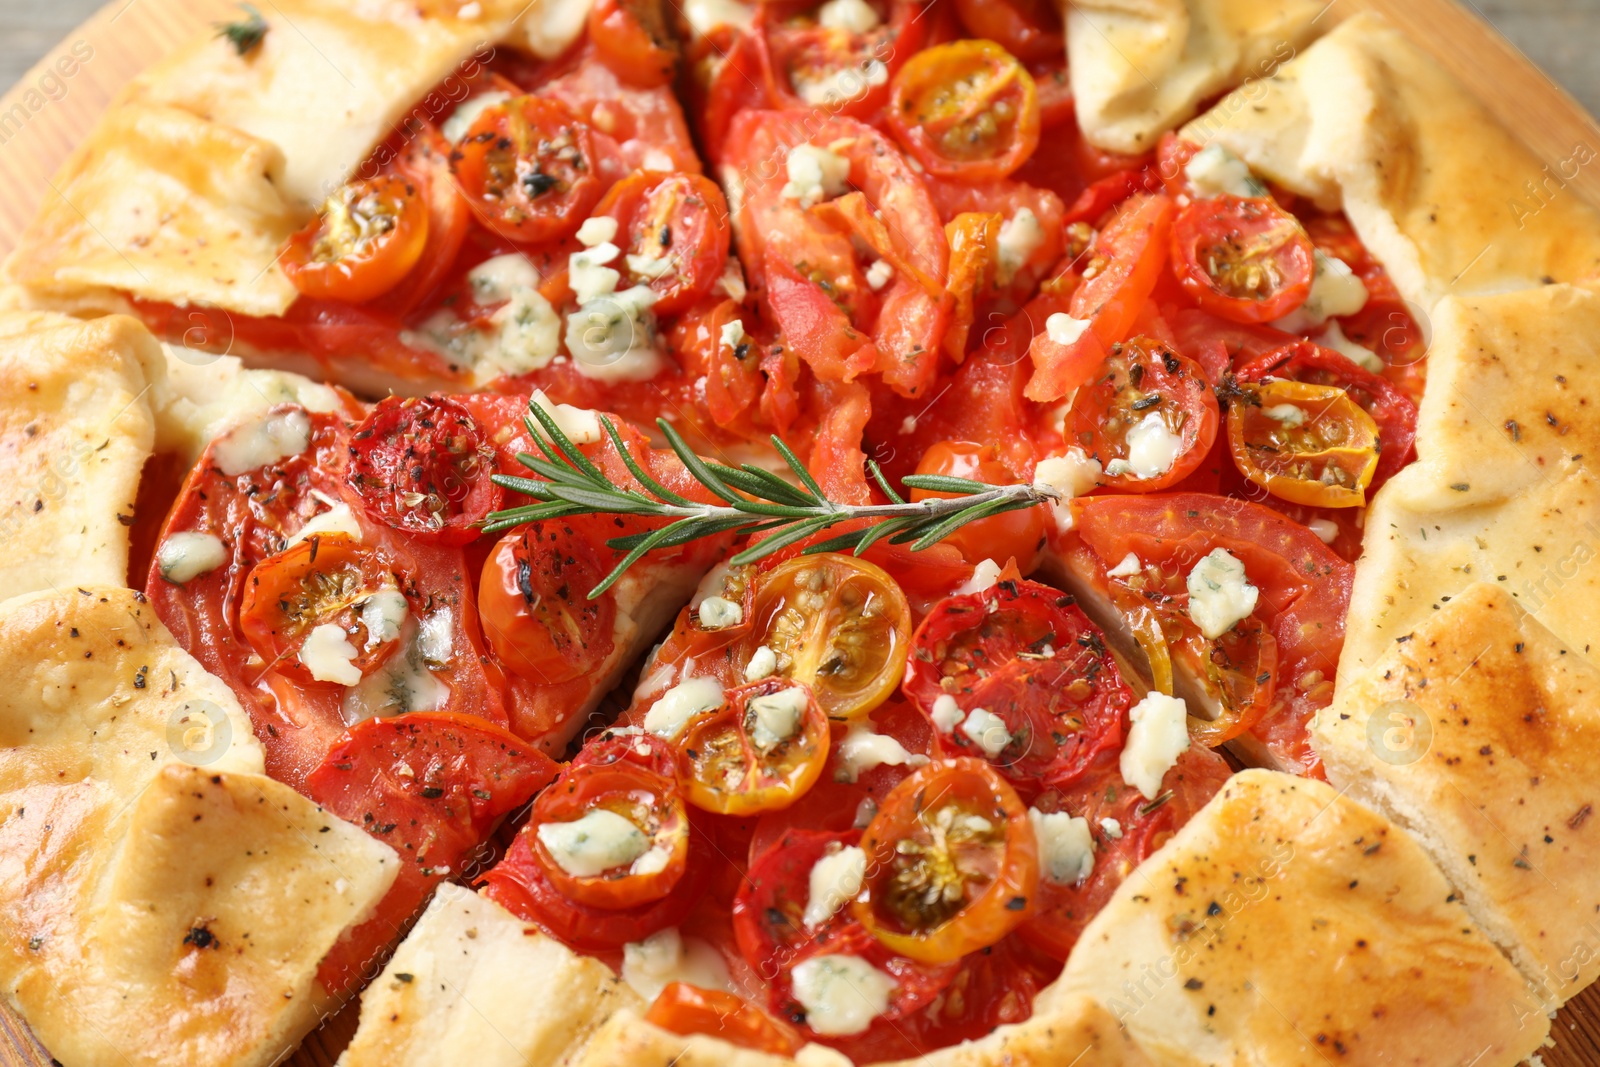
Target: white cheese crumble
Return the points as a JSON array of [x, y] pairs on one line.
[[984, 575], [835, 881], [854, 16], [456, 126], [1290, 415], [1066, 847], [582, 425], [863, 748], [1072, 475], [1220, 593], [842, 83], [187, 555], [597, 230], [666, 956], [1333, 337], [763, 662], [1020, 237], [946, 713], [878, 274], [498, 277], [588, 274], [1157, 736], [671, 713], [1063, 329], [405, 681], [271, 438], [598, 842], [841, 994], [327, 653], [1152, 449], [773, 718], [1214, 171], [718, 613], [612, 338], [1327, 530], [1127, 568], [733, 334], [987, 730], [657, 160], [1335, 291], [1111, 828], [383, 614], [652, 267], [706, 15], [815, 174], [338, 519]]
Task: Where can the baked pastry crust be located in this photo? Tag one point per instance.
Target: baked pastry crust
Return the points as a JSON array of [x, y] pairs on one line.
[[164, 901], [1470, 733]]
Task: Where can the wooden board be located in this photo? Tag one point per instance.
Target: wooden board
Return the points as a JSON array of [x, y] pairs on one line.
[[47, 113]]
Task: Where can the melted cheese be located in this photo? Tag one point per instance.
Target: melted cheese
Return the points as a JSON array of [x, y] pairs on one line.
[[666, 956], [598, 842], [987, 730], [671, 713], [327, 653], [835, 880], [1066, 847], [339, 520], [841, 994], [863, 748], [773, 718], [187, 555], [271, 438]]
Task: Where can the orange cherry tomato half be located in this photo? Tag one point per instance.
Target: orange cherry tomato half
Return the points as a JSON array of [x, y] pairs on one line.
[[625, 811], [761, 751], [673, 230], [324, 580], [952, 864], [1305, 443], [366, 238], [528, 168], [687, 1010], [1148, 415], [1245, 259], [837, 624], [631, 38], [1015, 535], [533, 601], [967, 110]]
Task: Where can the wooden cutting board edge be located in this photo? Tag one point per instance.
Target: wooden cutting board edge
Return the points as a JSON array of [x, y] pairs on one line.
[[46, 114]]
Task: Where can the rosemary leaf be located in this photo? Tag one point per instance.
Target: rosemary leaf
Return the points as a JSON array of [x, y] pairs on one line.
[[949, 526], [883, 483], [559, 438], [944, 483], [638, 471], [784, 538], [799, 469], [697, 466]]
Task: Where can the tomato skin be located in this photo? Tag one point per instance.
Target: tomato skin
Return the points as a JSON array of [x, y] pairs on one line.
[[1027, 29], [768, 779], [691, 212], [1120, 395], [425, 161], [1245, 259], [967, 110], [632, 39], [534, 604], [416, 466], [687, 1010], [464, 775], [529, 169], [363, 242], [814, 325], [1017, 535]]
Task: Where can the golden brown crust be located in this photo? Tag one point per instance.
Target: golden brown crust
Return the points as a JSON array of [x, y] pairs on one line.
[[1477, 732], [1288, 925], [161, 901]]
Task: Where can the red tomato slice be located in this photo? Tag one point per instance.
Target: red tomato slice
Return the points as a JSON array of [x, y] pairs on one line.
[[1219, 345], [680, 220], [732, 372], [1127, 261], [1244, 259], [529, 169], [633, 126], [416, 465], [631, 38], [431, 786], [814, 326], [1146, 392], [425, 161]]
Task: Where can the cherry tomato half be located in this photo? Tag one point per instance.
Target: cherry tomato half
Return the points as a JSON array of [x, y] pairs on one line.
[[533, 601], [528, 168], [325, 579], [1148, 415], [365, 239], [1015, 535], [674, 233], [686, 1009], [1308, 444], [761, 751], [418, 465], [632, 39], [967, 110], [952, 864], [1245, 259]]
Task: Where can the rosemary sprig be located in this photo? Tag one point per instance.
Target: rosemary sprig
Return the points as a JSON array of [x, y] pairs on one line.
[[754, 500], [246, 34]]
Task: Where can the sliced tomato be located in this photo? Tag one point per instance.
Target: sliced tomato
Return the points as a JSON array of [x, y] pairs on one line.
[[366, 238], [1028, 29], [1245, 259], [763, 750], [632, 39], [842, 68], [529, 169], [1148, 415], [1220, 345], [533, 600], [1119, 278], [325, 580], [727, 75], [687, 1010], [425, 161], [431, 786], [813, 324], [1017, 535], [952, 865], [974, 239], [1308, 444], [417, 465], [679, 221], [1025, 654], [967, 110]]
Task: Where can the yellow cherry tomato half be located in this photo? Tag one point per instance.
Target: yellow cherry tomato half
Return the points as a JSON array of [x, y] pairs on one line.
[[761, 751], [1304, 443], [968, 110]]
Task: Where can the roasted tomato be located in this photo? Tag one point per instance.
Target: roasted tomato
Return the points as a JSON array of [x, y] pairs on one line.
[[328, 579], [762, 750], [1148, 415], [686, 1009], [673, 231], [366, 238], [1017, 535], [952, 864], [1028, 29], [632, 39], [1017, 673], [1308, 444], [1247, 260], [529, 169], [417, 464], [967, 111], [838, 59], [533, 601], [837, 624]]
